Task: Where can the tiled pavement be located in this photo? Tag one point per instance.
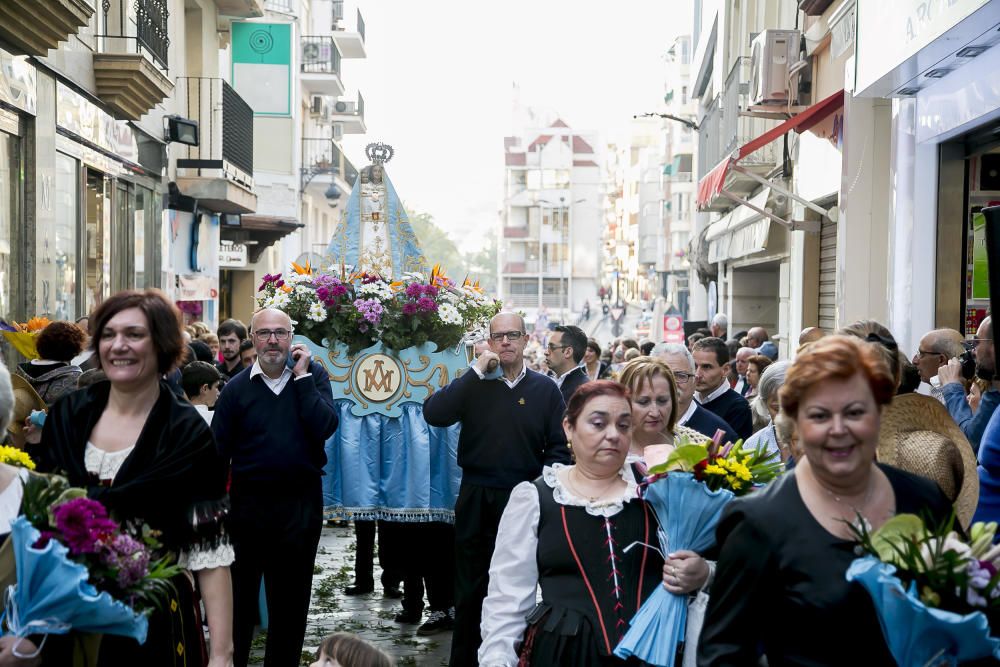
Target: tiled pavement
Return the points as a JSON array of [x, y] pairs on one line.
[[369, 616]]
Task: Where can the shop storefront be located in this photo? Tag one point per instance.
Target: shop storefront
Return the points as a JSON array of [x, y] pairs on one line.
[[939, 71], [17, 104]]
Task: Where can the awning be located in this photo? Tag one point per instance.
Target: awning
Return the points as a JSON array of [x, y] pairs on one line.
[[742, 232], [259, 232], [714, 183]]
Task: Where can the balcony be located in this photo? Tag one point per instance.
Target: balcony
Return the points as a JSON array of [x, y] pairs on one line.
[[219, 171], [320, 65], [351, 42], [131, 60], [322, 160], [350, 115], [240, 9], [32, 28], [515, 232], [814, 7]]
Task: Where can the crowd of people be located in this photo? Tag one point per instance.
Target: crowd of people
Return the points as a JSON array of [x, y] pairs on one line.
[[217, 440]]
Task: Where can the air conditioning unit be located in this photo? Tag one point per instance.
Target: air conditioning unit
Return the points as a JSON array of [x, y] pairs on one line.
[[316, 104], [772, 55], [338, 131], [316, 52], [345, 107]]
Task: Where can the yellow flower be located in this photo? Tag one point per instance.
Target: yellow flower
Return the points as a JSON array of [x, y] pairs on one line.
[[712, 469], [16, 457], [303, 270]]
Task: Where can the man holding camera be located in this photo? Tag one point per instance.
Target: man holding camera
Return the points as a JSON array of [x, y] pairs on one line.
[[950, 376], [933, 352]]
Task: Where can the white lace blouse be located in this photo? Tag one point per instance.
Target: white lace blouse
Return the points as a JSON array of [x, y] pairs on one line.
[[10, 500], [106, 466], [514, 570]]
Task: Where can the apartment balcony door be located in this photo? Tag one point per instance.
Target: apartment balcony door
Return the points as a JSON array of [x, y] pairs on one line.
[[97, 217]]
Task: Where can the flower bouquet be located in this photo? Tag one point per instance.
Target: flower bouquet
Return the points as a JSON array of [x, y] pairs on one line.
[[22, 335], [934, 591], [77, 569], [360, 309], [688, 493]]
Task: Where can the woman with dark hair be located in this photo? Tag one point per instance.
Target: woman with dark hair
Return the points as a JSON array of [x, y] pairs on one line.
[[53, 375], [567, 533], [780, 589], [596, 367], [150, 458]]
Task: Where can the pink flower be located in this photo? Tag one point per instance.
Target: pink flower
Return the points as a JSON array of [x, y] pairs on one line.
[[84, 525], [409, 308], [426, 303], [413, 290]]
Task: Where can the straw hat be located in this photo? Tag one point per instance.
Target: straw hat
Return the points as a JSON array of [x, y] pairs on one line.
[[26, 399], [918, 435]]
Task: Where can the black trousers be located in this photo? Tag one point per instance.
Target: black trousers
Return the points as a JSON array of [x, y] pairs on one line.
[[423, 553], [364, 556], [477, 517], [274, 537]]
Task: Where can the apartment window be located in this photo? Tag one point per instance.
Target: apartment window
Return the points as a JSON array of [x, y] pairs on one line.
[[681, 206], [523, 287], [684, 95]]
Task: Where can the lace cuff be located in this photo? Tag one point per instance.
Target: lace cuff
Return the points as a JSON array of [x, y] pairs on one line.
[[201, 558]]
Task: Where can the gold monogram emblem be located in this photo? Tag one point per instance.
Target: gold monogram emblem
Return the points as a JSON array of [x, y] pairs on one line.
[[377, 377], [521, 401]]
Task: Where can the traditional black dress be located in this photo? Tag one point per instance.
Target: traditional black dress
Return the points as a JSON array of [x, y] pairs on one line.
[[590, 586]]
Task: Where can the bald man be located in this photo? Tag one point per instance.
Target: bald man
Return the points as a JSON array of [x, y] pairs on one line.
[[933, 352], [810, 335], [742, 387], [272, 423]]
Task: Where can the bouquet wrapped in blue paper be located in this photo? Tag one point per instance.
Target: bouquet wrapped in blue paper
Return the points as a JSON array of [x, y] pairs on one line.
[[933, 590], [77, 569], [688, 493]]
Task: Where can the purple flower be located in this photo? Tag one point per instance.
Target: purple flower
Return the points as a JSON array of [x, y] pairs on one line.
[[129, 557], [84, 525], [279, 283], [430, 290], [426, 303], [363, 327], [338, 290], [409, 308], [413, 290], [322, 293], [370, 309]]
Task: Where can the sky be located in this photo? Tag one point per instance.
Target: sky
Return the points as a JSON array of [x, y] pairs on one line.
[[439, 77]]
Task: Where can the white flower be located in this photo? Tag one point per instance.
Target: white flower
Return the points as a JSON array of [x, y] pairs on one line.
[[279, 300], [378, 289], [302, 290], [317, 313], [414, 277], [296, 278], [449, 314]]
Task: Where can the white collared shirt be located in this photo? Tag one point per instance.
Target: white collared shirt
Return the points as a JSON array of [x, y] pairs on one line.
[[510, 383], [739, 384], [719, 391], [559, 379], [275, 384], [688, 413]]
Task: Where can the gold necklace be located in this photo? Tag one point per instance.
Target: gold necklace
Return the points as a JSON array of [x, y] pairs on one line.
[[576, 489]]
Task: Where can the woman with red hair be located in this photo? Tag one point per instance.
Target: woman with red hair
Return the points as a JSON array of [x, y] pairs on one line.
[[779, 586]]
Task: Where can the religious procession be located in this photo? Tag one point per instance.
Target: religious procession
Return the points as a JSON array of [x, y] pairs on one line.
[[686, 370]]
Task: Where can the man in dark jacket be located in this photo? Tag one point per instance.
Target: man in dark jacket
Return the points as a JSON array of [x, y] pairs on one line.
[[564, 355], [272, 423], [711, 357], [511, 426]]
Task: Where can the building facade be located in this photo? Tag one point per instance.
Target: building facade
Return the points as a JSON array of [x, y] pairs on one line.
[[550, 223]]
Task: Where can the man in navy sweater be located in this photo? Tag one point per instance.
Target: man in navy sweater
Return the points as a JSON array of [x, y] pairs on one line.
[[713, 393], [511, 427], [272, 422]]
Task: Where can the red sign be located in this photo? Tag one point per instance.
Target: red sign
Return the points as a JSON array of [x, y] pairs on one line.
[[673, 329]]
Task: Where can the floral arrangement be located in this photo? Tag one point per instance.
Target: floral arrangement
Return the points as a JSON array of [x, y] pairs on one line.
[[936, 593], [118, 561], [360, 309], [949, 572], [732, 466]]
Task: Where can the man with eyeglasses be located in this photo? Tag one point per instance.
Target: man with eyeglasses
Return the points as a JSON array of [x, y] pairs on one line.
[[272, 423], [564, 356], [933, 352], [692, 415], [950, 376], [511, 427]]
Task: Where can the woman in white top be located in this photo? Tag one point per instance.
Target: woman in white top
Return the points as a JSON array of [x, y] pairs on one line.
[[567, 533], [150, 458], [767, 402]]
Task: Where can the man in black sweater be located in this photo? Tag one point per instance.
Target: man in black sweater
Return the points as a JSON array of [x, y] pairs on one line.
[[272, 423], [711, 356], [564, 355], [511, 427]]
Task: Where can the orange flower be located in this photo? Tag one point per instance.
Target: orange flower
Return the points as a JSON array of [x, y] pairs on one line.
[[286, 288], [34, 325], [305, 270], [397, 285]]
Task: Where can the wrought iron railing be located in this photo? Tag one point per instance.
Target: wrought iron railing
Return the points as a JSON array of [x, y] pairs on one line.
[[225, 124], [143, 22], [323, 156], [282, 6], [320, 55], [734, 99]]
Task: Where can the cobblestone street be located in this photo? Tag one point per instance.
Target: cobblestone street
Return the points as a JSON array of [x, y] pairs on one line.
[[369, 616]]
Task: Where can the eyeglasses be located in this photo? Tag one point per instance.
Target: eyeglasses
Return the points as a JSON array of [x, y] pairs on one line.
[[682, 377], [509, 335], [265, 334], [925, 353], [973, 343], [553, 348]]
